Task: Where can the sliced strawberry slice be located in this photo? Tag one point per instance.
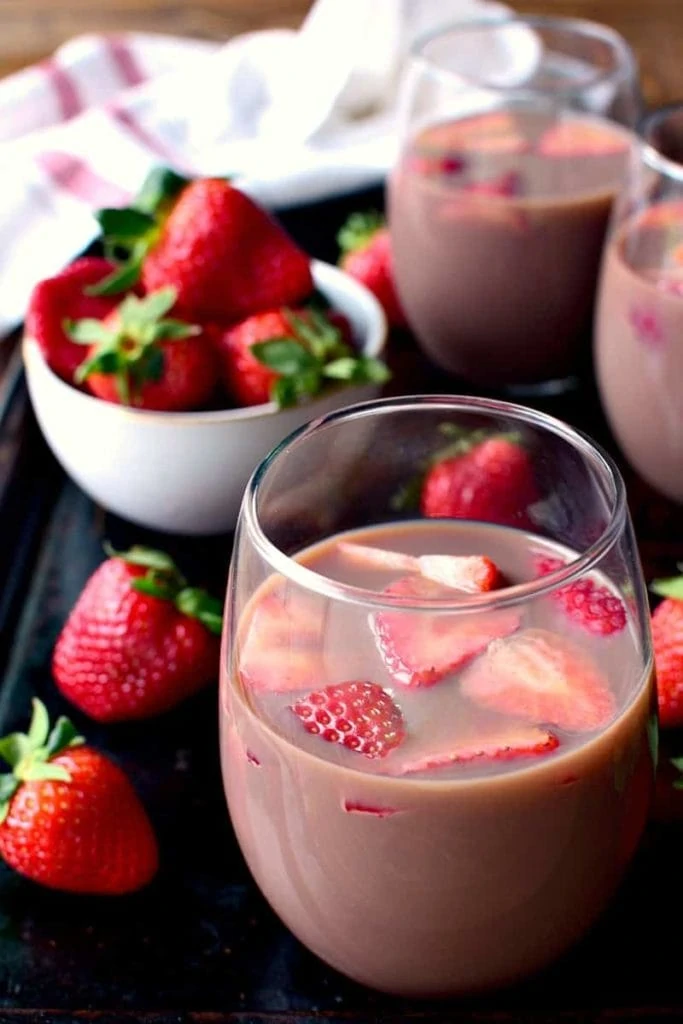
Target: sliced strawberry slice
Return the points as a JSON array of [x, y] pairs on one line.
[[505, 185], [472, 574], [507, 745], [593, 606], [420, 648], [281, 646], [581, 138], [540, 677], [484, 133], [360, 716]]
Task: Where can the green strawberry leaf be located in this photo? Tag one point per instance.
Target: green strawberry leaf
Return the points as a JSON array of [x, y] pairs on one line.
[[147, 558], [43, 770], [359, 230], [39, 728], [407, 497], [64, 735], [198, 604], [9, 784], [161, 185], [151, 307], [672, 587], [14, 748], [174, 330], [120, 280], [341, 369], [87, 332], [283, 355], [373, 370], [284, 392], [122, 224]]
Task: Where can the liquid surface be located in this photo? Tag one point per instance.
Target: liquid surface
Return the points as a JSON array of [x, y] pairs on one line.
[[639, 357], [498, 223], [346, 644]]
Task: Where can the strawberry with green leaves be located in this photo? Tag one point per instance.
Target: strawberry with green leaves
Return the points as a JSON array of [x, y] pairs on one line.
[[667, 639], [69, 817], [138, 641], [224, 255], [140, 356], [287, 355], [366, 255]]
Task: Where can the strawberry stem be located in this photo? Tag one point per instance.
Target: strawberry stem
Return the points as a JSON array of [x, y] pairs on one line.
[[30, 754], [671, 587], [359, 230]]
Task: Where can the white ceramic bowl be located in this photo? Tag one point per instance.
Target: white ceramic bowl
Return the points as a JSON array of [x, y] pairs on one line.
[[185, 472]]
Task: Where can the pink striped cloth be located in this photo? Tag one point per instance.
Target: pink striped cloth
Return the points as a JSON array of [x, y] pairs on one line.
[[294, 115]]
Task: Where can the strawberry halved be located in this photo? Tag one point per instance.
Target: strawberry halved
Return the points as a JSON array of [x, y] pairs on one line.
[[360, 716], [281, 646], [472, 574], [505, 745], [542, 678], [421, 648], [581, 138]]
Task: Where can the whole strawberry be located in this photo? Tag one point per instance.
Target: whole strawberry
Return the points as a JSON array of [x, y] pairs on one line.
[[485, 477], [138, 641], [224, 255], [139, 356], [667, 637], [286, 355], [366, 255], [63, 298], [70, 818]]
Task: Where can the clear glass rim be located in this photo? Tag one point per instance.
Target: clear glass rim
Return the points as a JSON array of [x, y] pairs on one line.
[[315, 582], [651, 156], [626, 65]]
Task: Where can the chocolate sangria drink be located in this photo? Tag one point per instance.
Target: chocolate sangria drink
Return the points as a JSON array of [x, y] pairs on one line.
[[436, 733], [498, 222], [638, 352]]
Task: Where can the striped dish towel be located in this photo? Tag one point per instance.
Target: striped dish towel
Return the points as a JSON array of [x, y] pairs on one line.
[[293, 115]]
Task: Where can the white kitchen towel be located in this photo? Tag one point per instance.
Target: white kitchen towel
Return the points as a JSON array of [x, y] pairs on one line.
[[295, 115]]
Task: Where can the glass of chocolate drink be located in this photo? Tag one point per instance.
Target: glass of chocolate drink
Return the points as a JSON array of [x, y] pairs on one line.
[[436, 704], [639, 321], [514, 139]]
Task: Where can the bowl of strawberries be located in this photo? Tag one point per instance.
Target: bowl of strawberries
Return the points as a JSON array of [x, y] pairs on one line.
[[164, 370]]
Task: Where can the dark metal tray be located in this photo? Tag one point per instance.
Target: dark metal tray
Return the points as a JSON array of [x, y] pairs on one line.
[[201, 945]]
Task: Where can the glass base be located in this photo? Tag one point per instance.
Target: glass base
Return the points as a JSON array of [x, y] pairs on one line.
[[543, 388]]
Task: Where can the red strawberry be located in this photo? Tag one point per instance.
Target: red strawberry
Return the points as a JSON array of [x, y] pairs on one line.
[[581, 138], [366, 255], [507, 744], [472, 574], [138, 641], [420, 648], [138, 356], [286, 355], [223, 254], [542, 678], [70, 818], [281, 648], [667, 638], [361, 716], [496, 132], [489, 478], [591, 605], [62, 298]]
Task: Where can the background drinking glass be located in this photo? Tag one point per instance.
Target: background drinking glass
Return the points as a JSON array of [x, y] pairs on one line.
[[639, 321], [498, 206], [433, 869]]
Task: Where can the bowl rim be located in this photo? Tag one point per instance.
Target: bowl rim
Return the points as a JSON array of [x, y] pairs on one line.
[[374, 344]]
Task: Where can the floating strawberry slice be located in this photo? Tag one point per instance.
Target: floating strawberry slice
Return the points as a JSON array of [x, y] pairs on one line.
[[472, 574], [540, 677], [662, 215], [581, 138], [420, 648], [505, 185], [591, 605], [507, 745], [360, 716], [484, 133], [281, 649]]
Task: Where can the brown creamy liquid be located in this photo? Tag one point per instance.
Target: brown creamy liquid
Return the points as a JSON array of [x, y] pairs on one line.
[[456, 878], [638, 343], [500, 287]]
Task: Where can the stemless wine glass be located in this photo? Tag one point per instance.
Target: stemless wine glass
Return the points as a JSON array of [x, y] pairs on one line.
[[512, 147], [639, 321], [437, 786]]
